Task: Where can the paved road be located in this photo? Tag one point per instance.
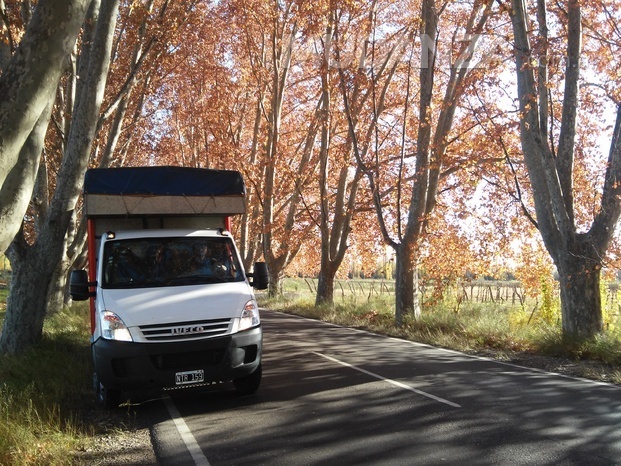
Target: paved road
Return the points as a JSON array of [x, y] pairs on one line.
[[340, 396]]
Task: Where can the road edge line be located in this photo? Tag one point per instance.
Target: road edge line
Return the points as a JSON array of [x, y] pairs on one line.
[[186, 435]]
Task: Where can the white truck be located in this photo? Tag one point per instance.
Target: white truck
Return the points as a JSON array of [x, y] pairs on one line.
[[171, 305]]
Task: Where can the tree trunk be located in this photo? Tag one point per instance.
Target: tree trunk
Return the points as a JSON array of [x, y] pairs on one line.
[[23, 324], [581, 304], [406, 285], [336, 206], [579, 272], [27, 86], [57, 288], [275, 285], [249, 238], [17, 188], [73, 245], [33, 264], [280, 247], [325, 286]]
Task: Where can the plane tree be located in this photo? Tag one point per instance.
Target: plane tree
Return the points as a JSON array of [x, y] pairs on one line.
[[405, 171], [562, 53], [339, 178], [32, 262], [284, 129]]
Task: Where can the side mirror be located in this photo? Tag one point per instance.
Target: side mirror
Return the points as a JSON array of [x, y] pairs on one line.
[[260, 277], [78, 285]]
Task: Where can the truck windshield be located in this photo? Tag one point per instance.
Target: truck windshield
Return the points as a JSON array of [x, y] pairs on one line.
[[153, 262]]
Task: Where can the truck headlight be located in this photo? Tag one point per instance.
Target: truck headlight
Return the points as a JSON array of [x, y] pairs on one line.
[[113, 328], [249, 316]]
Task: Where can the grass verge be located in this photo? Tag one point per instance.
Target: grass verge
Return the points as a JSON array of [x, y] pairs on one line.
[[44, 394]]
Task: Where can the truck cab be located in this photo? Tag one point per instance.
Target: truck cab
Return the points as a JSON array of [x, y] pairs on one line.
[[172, 307]]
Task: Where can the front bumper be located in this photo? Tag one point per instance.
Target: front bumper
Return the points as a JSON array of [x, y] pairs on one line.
[[145, 366]]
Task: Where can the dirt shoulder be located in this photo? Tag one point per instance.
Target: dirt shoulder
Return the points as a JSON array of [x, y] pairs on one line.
[[587, 369], [120, 438]]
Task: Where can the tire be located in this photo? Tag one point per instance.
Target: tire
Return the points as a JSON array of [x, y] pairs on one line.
[[249, 384], [106, 398]]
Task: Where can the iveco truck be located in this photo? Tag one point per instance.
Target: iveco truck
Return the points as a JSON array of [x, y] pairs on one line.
[[171, 304]]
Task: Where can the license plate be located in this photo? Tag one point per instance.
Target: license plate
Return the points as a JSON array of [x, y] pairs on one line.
[[187, 377]]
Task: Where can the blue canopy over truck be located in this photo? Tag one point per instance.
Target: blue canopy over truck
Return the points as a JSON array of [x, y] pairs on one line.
[[171, 305], [162, 191]]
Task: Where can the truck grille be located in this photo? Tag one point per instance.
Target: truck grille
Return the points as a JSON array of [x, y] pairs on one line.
[[180, 331]]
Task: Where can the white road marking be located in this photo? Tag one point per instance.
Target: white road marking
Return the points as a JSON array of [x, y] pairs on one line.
[[186, 435], [390, 381]]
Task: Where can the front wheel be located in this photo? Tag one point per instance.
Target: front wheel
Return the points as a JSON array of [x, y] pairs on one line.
[[249, 384], [106, 398]]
